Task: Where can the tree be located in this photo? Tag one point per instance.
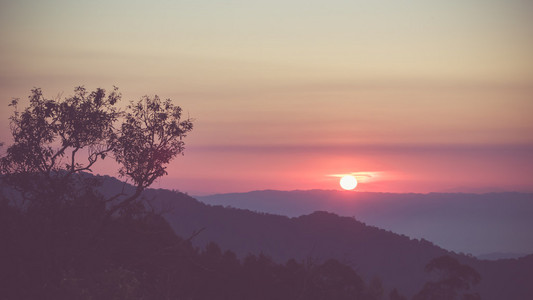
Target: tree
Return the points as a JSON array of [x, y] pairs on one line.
[[55, 235], [55, 139], [454, 278]]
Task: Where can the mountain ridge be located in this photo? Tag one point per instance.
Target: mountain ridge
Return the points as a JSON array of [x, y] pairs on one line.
[[463, 222], [373, 252]]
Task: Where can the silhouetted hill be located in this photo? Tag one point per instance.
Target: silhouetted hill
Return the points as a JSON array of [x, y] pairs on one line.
[[397, 259], [67, 248], [470, 223]]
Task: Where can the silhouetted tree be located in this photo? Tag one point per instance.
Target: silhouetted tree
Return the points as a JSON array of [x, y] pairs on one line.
[[56, 139], [454, 278], [58, 228]]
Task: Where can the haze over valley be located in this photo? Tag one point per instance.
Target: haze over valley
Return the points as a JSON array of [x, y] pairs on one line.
[[477, 224]]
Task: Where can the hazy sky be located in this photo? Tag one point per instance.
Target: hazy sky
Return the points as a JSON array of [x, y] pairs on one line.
[[424, 95]]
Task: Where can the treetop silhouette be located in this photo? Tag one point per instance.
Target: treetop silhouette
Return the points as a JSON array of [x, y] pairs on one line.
[[55, 139]]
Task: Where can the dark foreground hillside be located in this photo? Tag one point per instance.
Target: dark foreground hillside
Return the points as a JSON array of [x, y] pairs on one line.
[[397, 260], [64, 251]]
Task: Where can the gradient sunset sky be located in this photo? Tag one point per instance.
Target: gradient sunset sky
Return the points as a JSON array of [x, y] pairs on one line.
[[412, 96]]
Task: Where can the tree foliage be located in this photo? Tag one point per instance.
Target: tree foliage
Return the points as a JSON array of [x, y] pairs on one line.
[[148, 139], [62, 219], [56, 139]]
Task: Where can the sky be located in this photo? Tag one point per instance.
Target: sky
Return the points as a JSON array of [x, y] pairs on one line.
[[411, 96]]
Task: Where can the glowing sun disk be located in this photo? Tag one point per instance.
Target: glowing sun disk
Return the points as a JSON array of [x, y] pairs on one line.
[[348, 182]]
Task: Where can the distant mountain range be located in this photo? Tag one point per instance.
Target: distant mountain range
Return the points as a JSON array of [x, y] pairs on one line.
[[397, 260], [491, 226]]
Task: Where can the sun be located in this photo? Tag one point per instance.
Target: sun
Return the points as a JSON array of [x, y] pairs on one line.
[[348, 182]]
